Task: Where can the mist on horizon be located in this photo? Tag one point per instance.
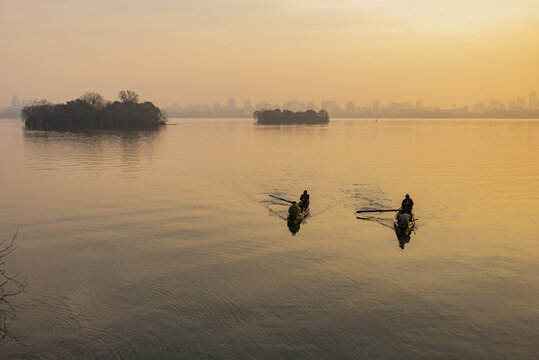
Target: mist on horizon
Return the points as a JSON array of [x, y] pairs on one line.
[[202, 52]]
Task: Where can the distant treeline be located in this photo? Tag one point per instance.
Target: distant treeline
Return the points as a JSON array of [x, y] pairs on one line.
[[289, 117], [91, 111]]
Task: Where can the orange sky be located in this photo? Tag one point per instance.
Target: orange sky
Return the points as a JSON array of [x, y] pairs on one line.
[[204, 51]]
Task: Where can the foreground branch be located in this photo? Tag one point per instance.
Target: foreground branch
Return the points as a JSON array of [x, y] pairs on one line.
[[10, 285]]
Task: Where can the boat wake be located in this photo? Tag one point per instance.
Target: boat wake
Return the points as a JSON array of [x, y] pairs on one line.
[[387, 222]]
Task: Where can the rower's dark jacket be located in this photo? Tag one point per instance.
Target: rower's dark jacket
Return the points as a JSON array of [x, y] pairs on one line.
[[304, 198]]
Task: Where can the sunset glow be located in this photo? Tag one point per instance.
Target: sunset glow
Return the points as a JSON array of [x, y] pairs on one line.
[[205, 51]]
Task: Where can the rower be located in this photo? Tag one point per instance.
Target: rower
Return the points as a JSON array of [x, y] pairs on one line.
[[294, 211], [304, 200], [404, 220], [407, 204]]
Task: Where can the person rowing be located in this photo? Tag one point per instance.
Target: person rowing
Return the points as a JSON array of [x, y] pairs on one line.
[[294, 210], [407, 204], [304, 200]]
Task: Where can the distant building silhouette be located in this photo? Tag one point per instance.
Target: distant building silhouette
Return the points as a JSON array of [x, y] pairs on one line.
[[518, 104], [376, 105], [495, 105], [479, 108], [247, 105], [231, 103], [331, 106], [264, 105], [294, 105], [15, 102], [350, 107], [534, 101], [400, 105], [312, 106]]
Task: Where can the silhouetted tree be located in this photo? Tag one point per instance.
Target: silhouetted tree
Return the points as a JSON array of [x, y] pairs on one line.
[[41, 101], [10, 285], [289, 117], [91, 111], [93, 99], [323, 115], [128, 96]]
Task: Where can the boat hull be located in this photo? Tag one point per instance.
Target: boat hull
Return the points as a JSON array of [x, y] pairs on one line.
[[404, 226], [300, 217]]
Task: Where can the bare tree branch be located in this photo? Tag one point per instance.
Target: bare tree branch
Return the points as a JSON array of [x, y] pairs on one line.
[[6, 247], [93, 99], [10, 285], [128, 96]]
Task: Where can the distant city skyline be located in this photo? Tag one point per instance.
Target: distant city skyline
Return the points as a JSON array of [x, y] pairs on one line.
[[518, 103]]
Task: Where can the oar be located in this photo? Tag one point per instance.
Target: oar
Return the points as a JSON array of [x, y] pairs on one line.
[[364, 211], [288, 201]]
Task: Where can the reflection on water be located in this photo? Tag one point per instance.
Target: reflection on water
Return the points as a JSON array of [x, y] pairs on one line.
[[166, 244], [403, 237], [48, 150], [295, 225]]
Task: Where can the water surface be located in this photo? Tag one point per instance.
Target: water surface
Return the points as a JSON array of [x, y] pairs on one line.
[[166, 244]]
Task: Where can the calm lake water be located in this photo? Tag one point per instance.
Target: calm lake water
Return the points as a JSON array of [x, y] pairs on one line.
[[166, 245]]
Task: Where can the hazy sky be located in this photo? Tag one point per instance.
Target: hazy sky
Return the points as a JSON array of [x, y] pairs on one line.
[[203, 51]]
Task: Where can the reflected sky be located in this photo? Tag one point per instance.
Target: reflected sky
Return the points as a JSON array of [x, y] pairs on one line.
[[122, 149], [167, 244]]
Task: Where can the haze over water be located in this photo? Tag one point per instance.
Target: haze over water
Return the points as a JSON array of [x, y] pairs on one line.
[[200, 52], [166, 244]]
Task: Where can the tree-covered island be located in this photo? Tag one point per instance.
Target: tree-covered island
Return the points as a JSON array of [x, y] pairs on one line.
[[92, 112], [289, 117]]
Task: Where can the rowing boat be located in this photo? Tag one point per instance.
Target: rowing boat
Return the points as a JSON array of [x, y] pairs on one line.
[[404, 223], [294, 224], [303, 214]]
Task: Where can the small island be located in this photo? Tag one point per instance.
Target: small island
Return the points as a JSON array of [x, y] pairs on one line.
[[92, 112], [289, 117]]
